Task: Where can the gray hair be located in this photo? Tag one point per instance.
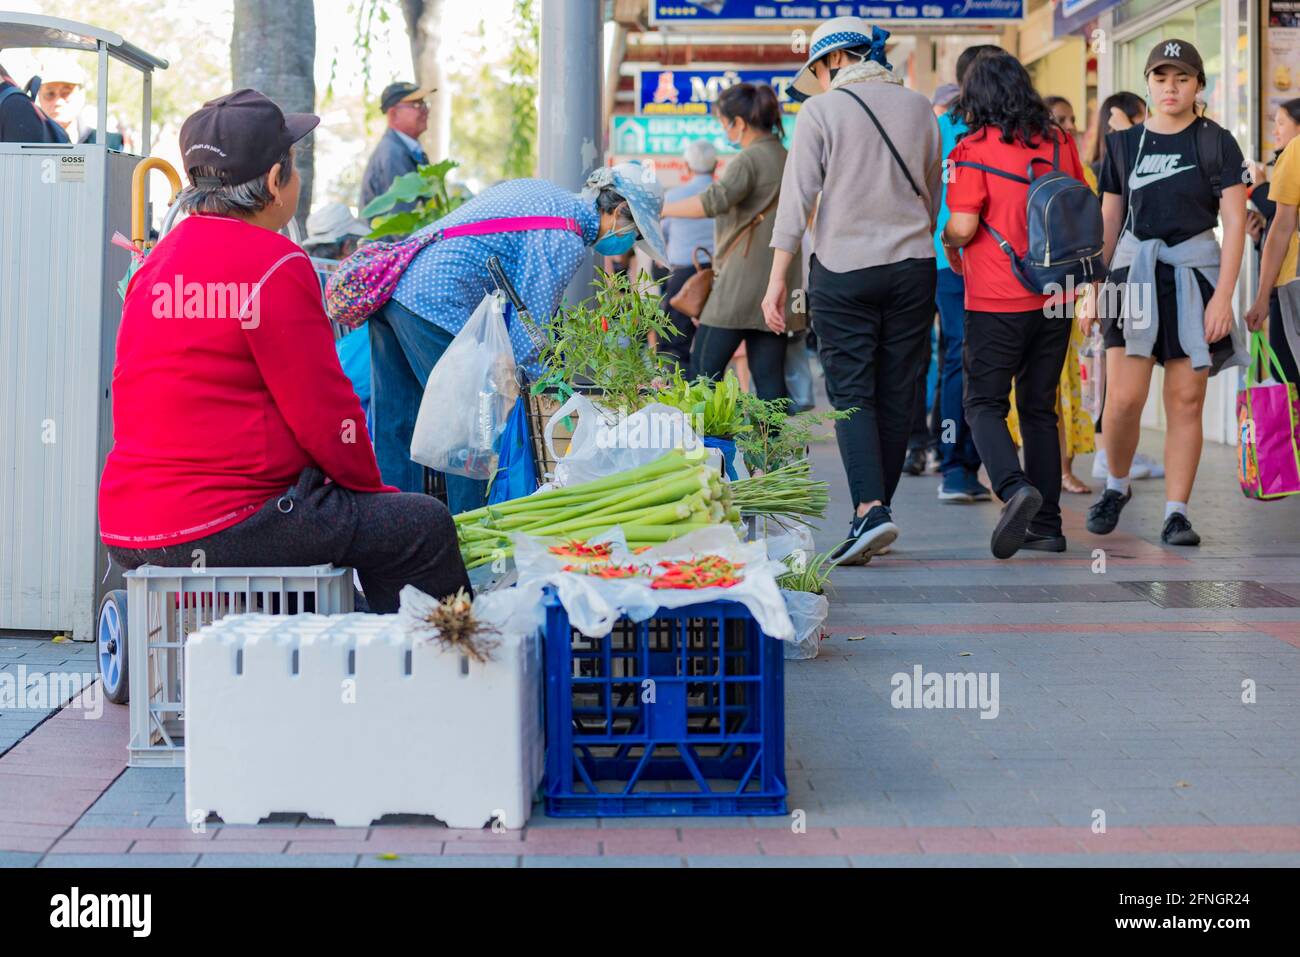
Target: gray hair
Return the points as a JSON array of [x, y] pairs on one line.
[[610, 199], [701, 156], [243, 198]]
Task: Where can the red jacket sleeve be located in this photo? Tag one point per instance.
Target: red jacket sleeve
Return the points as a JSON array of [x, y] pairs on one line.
[[289, 335], [967, 191]]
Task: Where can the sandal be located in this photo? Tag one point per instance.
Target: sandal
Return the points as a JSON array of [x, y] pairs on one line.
[[1071, 483]]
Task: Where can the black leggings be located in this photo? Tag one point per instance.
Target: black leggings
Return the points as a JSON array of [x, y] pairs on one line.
[[765, 352]]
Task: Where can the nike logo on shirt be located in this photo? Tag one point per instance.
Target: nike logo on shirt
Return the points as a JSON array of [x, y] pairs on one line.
[[1152, 168]]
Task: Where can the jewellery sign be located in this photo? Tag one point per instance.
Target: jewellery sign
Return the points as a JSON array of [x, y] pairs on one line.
[[693, 92], [750, 12]]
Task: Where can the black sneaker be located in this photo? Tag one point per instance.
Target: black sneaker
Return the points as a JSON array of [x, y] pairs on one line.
[[1104, 514], [1178, 531], [1043, 543], [1009, 533], [868, 535], [914, 464]]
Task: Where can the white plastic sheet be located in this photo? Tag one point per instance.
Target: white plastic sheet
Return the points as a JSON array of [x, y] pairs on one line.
[[595, 604]]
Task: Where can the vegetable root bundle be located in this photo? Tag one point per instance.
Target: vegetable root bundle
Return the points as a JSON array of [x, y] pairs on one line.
[[655, 503]]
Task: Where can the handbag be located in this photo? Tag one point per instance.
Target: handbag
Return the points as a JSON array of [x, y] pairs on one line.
[[1268, 422], [694, 294], [365, 280]]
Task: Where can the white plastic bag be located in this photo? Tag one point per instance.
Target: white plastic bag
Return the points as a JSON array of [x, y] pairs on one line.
[[807, 613], [604, 442], [468, 397]]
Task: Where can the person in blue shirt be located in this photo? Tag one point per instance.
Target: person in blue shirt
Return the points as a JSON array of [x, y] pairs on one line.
[[684, 237], [960, 463], [442, 286]]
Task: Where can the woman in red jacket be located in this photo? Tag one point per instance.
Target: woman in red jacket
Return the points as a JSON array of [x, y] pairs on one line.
[[238, 441]]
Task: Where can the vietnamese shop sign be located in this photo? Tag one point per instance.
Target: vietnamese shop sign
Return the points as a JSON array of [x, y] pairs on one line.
[[670, 135], [1071, 15], [693, 92], [724, 12]]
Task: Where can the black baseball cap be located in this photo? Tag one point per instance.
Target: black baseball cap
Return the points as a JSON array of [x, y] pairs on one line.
[[241, 135], [1176, 53], [402, 92]]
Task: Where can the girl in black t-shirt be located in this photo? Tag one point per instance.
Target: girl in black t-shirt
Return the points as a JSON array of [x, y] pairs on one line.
[[1168, 180]]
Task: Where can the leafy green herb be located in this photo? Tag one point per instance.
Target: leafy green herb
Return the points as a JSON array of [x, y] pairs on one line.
[[807, 574], [605, 340], [427, 187], [775, 438], [714, 407]]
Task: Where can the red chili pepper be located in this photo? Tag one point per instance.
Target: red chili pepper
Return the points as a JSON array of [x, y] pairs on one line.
[[604, 324]]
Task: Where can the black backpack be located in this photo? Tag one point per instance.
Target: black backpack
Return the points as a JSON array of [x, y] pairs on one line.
[[54, 133], [1065, 228]]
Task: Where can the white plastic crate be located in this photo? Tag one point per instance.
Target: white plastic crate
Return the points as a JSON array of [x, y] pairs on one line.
[[167, 605], [350, 718]]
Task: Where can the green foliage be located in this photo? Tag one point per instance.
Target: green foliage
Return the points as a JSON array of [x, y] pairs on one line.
[[807, 574], [714, 406], [605, 338], [427, 187], [521, 148], [776, 438]]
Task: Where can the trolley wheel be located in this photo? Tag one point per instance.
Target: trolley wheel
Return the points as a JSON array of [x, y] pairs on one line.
[[113, 668]]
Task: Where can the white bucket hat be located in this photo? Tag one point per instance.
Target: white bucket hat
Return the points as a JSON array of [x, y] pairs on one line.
[[838, 34], [331, 223]]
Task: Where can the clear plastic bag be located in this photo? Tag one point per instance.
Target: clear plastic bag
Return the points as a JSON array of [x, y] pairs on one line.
[[807, 613], [604, 443], [468, 397]]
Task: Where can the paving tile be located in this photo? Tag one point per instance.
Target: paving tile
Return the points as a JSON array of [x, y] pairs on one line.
[[605, 861], [428, 860], [736, 862], [18, 859], [277, 860], [118, 860]]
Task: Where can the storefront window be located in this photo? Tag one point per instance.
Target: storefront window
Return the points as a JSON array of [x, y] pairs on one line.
[[1201, 24]]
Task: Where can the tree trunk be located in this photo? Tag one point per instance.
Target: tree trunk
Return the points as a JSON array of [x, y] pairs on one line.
[[424, 29], [273, 50]]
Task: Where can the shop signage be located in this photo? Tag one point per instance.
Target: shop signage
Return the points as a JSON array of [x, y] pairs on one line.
[[1071, 16], [693, 92], [733, 12], [669, 135]]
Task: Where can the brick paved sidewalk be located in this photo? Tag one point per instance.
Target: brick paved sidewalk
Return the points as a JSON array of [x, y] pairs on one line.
[[1117, 696]]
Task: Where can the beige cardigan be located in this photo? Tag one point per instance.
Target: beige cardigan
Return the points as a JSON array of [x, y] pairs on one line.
[[748, 185]]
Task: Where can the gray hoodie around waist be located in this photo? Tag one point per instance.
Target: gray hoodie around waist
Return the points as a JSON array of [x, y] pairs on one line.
[[1141, 313]]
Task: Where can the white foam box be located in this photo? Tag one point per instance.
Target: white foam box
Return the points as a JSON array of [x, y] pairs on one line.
[[350, 718]]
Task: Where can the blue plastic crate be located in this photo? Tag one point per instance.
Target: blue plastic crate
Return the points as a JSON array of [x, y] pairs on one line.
[[681, 714]]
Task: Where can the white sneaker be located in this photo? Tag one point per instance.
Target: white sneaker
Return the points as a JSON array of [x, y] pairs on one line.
[[1099, 469], [1146, 467]]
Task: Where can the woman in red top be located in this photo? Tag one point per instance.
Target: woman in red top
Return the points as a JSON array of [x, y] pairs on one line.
[[1009, 331], [238, 441]]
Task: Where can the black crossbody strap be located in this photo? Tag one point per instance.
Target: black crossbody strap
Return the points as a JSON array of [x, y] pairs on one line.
[[888, 142], [994, 170]]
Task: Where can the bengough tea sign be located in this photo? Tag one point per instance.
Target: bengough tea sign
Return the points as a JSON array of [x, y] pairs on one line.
[[732, 12]]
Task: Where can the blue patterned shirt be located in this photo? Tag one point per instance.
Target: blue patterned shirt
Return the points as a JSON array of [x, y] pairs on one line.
[[447, 279]]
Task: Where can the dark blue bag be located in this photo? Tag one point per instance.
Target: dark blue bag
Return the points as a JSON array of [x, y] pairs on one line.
[[1065, 229], [516, 474]]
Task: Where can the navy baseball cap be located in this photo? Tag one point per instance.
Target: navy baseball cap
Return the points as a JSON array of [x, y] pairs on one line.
[[241, 135]]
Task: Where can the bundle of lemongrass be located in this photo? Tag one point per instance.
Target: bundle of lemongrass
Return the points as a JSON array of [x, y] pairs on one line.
[[671, 496], [787, 492]]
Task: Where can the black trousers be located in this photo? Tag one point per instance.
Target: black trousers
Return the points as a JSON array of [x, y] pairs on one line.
[[765, 352], [391, 539], [1030, 348], [1277, 339], [873, 330], [679, 345]]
